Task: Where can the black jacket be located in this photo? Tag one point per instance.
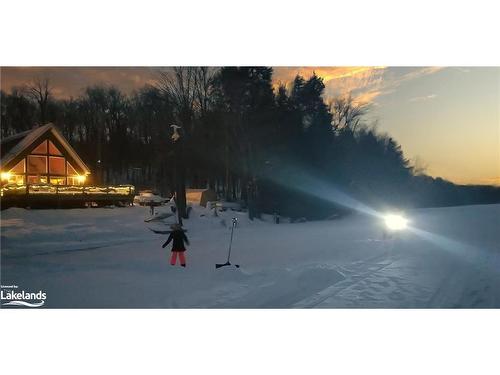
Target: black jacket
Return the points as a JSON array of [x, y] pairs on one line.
[[178, 238]]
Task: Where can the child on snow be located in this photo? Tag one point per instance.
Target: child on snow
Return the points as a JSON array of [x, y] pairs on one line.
[[178, 237]]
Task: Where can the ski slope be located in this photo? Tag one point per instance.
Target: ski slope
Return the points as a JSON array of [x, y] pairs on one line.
[[109, 258]]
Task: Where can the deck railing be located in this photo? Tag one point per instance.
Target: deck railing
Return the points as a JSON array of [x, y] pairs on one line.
[[67, 189]]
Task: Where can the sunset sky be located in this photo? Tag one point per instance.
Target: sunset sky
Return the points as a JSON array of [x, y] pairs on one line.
[[448, 118]]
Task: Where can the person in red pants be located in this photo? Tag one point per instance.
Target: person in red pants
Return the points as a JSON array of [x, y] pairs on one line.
[[178, 238]]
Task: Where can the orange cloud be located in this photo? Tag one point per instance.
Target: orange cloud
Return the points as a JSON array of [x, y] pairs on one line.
[[367, 97], [364, 84], [359, 81], [327, 73]]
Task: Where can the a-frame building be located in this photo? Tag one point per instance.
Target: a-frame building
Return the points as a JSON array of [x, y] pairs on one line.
[[41, 156]]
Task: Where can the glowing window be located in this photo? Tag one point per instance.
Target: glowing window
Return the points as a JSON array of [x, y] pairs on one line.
[[71, 170], [37, 164], [57, 180], [41, 148], [37, 179], [17, 179], [19, 168], [53, 150], [56, 165], [76, 180]]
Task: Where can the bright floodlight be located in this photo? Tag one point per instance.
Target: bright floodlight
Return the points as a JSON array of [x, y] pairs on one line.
[[395, 222]]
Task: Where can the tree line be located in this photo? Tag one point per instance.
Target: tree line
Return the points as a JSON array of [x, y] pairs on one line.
[[282, 149]]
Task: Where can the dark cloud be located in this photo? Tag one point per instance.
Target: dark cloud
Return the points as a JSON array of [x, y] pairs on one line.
[[70, 81]]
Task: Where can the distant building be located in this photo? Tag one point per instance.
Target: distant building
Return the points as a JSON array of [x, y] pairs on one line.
[[41, 156], [39, 168], [200, 196]]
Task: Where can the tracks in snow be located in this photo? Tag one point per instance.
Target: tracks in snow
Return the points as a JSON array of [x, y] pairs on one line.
[[350, 281], [352, 277]]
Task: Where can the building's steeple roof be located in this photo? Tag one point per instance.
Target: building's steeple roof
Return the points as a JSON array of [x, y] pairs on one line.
[[17, 143]]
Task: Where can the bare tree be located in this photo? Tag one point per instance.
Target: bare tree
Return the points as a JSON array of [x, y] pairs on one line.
[[189, 89], [346, 113], [204, 77], [179, 85], [40, 91]]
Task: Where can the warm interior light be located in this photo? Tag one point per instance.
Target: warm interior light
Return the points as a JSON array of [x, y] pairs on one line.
[[81, 179], [395, 222], [6, 176]]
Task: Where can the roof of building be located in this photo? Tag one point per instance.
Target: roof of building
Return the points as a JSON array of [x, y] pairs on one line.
[[17, 143]]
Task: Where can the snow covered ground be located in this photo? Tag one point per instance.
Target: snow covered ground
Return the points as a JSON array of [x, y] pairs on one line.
[[104, 257]]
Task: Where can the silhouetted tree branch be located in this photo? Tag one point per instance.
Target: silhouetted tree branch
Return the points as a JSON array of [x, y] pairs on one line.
[[40, 91], [346, 113]]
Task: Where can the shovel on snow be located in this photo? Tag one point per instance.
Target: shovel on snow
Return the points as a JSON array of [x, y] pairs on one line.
[[219, 265]]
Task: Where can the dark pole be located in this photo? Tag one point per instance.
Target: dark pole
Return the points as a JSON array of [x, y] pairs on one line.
[[234, 221], [182, 182], [176, 181], [179, 175]]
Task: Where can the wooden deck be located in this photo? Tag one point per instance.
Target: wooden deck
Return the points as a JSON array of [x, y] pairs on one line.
[[65, 196]]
